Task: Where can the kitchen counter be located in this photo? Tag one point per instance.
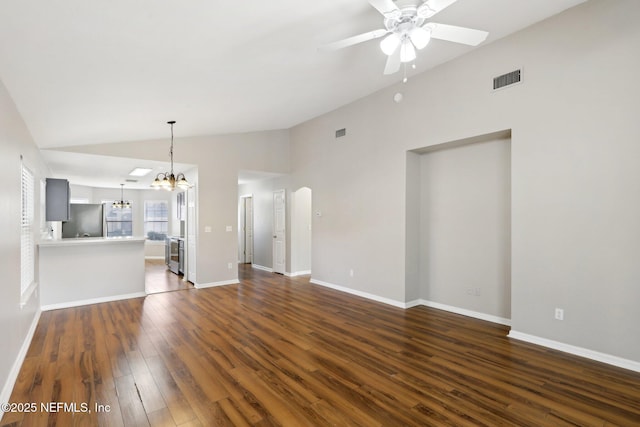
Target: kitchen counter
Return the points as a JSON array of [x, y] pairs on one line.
[[90, 270], [90, 241]]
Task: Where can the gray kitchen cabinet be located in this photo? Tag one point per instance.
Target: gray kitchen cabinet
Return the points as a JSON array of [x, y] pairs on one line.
[[58, 196]]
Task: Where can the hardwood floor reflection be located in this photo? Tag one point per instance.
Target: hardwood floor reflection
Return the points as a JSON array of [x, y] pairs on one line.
[[159, 279], [279, 351]]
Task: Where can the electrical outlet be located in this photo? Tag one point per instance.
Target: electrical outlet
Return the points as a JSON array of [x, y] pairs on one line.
[[477, 292], [230, 265], [351, 272], [559, 315]]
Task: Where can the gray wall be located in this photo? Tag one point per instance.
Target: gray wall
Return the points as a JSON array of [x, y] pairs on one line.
[[218, 160], [17, 316], [465, 245], [301, 220], [575, 177]]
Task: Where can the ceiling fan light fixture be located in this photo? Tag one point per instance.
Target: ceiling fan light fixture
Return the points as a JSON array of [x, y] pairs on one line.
[[407, 51], [420, 37], [389, 44]]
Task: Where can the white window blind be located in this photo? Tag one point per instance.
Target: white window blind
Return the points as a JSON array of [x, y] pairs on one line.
[[27, 243], [119, 220], [156, 219]]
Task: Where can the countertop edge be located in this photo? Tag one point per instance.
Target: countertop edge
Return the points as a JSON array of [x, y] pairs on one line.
[[90, 241]]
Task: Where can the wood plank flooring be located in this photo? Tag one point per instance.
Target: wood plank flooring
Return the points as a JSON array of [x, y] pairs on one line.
[[159, 279], [274, 350]]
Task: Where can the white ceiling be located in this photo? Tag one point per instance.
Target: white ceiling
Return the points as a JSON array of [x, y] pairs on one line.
[[105, 171], [87, 71]]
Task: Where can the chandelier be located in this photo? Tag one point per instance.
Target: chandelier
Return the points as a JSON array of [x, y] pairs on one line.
[[121, 204], [167, 180]]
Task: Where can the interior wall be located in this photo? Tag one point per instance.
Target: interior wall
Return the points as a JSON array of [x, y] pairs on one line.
[[575, 234], [412, 229], [301, 231], [465, 244], [241, 220], [17, 317], [218, 159]]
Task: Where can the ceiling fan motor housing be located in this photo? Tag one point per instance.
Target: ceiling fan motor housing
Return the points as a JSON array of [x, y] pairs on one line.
[[405, 21]]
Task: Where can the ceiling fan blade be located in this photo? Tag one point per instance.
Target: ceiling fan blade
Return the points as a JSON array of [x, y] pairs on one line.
[[456, 34], [384, 6], [393, 63], [350, 41], [431, 7]]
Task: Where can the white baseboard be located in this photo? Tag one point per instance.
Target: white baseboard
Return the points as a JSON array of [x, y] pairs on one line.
[[577, 351], [154, 257], [92, 301], [359, 293], [215, 284], [260, 267], [556, 345], [5, 395], [298, 273], [463, 311]]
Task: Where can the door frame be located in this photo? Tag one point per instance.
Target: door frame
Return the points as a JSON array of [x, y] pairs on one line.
[[244, 218], [279, 234]]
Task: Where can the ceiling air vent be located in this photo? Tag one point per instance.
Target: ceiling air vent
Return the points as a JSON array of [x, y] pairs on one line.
[[131, 180], [341, 132], [507, 79]]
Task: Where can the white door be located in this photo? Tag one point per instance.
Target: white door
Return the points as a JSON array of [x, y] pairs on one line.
[[192, 230], [248, 230], [279, 229]]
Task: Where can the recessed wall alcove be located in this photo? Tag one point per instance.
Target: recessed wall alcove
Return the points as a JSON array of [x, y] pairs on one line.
[[458, 228]]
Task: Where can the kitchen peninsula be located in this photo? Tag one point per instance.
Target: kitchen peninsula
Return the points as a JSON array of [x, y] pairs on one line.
[[82, 271]]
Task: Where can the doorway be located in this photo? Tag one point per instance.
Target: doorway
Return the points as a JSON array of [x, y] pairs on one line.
[[179, 214], [158, 278]]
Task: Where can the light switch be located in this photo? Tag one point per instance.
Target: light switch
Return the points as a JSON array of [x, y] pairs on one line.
[[229, 228], [207, 229]]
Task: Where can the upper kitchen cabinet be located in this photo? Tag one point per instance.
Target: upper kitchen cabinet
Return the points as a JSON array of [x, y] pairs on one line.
[[57, 200]]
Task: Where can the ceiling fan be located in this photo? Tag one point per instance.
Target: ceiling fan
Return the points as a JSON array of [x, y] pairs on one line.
[[406, 29]]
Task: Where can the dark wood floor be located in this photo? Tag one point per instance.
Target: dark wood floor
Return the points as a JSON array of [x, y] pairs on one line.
[[279, 351], [158, 278]]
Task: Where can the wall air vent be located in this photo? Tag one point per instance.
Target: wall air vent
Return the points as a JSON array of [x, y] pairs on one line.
[[341, 132], [507, 79]]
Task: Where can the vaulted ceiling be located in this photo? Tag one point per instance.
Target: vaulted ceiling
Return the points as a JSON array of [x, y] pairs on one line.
[[87, 71]]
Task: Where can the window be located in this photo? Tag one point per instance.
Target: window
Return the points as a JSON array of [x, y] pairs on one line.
[[27, 244], [156, 219], [119, 220]]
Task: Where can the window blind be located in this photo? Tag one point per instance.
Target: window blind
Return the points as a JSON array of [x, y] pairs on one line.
[[27, 243]]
